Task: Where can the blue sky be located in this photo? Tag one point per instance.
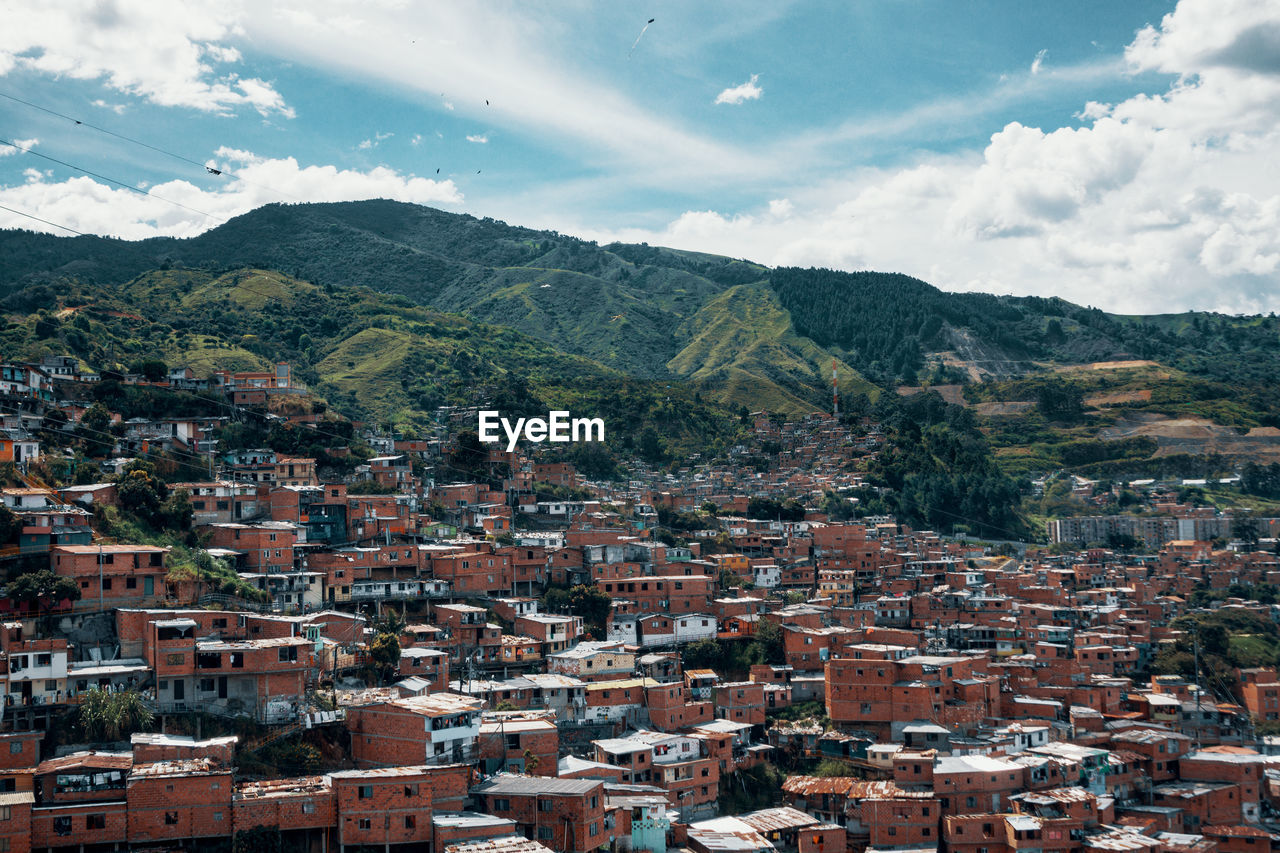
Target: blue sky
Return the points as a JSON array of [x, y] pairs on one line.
[[952, 141]]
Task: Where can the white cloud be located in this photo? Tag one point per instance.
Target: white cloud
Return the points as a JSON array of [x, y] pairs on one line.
[[173, 53], [1039, 60], [118, 109], [89, 206], [478, 138], [416, 140], [18, 145], [523, 63], [747, 91], [374, 141], [1156, 203]]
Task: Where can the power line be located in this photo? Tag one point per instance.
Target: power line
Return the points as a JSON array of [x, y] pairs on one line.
[[181, 157], [45, 221], [118, 183]]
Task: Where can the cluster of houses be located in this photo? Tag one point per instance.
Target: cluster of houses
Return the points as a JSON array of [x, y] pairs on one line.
[[921, 692]]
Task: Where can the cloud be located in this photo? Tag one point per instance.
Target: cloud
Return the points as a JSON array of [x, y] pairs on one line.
[[747, 91], [93, 207], [172, 54], [118, 109], [1158, 202], [374, 141], [527, 65], [1039, 60], [18, 145], [416, 139], [478, 138], [1241, 35]]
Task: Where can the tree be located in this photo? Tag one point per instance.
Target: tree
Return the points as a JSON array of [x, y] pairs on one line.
[[593, 605], [42, 589], [108, 717], [704, 654], [1214, 639], [94, 430], [470, 455], [384, 653], [10, 525], [1060, 401], [152, 369], [650, 446], [141, 492], [768, 640], [1246, 529]]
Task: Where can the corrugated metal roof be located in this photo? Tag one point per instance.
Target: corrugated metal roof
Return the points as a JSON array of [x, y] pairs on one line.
[[510, 783]]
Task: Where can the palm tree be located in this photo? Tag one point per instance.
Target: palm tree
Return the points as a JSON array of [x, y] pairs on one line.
[[108, 717]]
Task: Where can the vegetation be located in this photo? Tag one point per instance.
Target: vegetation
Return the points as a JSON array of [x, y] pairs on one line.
[[758, 787], [1227, 639], [939, 471], [108, 717]]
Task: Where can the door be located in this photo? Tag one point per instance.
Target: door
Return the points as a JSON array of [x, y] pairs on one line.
[[149, 585], [222, 687], [179, 690]]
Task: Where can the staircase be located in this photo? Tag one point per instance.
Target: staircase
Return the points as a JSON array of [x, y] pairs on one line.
[[276, 734]]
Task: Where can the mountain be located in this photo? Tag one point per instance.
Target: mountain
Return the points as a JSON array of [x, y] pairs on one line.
[[371, 355], [632, 308], [414, 304]]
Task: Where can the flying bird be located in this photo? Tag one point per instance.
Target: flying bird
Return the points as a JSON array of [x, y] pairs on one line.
[[637, 41], [437, 171], [486, 102], [213, 171]]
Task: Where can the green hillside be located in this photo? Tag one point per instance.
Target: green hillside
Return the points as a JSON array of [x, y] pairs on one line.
[[714, 328], [369, 355]]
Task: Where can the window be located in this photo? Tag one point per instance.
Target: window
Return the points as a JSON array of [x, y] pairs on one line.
[[308, 807], [502, 805], [410, 821], [6, 812], [50, 686], [217, 815], [366, 823], [171, 818], [411, 790], [545, 805], [365, 792], [544, 832], [15, 747], [594, 829]]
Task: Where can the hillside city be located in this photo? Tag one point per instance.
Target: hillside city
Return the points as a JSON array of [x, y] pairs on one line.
[[266, 627]]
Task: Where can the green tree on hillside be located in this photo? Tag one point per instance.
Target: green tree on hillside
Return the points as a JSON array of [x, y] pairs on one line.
[[94, 430], [107, 717], [42, 588], [593, 605]]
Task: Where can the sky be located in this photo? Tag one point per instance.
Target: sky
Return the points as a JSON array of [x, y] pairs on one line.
[[1119, 155]]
